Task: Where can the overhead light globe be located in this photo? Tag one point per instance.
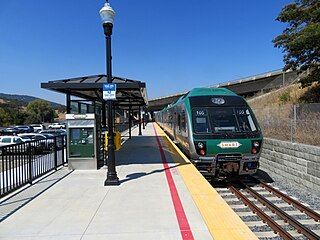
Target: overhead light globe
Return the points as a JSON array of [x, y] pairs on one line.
[[107, 13]]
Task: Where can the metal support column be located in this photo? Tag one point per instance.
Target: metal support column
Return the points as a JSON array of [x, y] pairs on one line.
[[112, 178], [103, 116], [130, 121], [68, 102], [140, 133], [144, 119]]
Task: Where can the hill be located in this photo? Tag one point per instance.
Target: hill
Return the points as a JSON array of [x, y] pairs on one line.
[[291, 113], [15, 110], [26, 99], [292, 94]]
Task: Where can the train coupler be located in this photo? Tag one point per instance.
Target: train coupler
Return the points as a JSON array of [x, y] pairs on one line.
[[230, 167]]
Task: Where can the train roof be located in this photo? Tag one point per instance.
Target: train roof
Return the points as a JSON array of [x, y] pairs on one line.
[[210, 92], [203, 92]]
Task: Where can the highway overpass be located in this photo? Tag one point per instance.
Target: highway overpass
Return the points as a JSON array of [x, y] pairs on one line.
[[245, 87]]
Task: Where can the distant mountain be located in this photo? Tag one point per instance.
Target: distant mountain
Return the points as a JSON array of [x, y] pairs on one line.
[[27, 99]]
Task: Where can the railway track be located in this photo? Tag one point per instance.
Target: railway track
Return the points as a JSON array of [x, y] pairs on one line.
[[270, 213]]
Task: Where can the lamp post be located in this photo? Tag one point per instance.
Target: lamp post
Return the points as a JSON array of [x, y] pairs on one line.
[[107, 17]]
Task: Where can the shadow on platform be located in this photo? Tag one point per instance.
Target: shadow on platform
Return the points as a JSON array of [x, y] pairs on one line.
[[135, 176], [144, 150]]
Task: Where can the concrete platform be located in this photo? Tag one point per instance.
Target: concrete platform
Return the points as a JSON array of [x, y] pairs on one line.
[[161, 196]]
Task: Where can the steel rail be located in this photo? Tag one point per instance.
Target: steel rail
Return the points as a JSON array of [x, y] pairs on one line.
[[311, 213], [265, 218], [293, 202], [286, 217]]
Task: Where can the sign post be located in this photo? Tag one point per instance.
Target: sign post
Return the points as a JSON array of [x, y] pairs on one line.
[[109, 91]]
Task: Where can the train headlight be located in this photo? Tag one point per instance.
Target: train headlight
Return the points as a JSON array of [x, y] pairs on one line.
[[200, 145], [200, 148], [255, 146]]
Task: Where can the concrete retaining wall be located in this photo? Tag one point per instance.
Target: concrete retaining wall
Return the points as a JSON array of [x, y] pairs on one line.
[[296, 162]]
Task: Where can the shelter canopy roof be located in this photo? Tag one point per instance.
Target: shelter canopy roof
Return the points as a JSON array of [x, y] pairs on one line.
[[129, 92]]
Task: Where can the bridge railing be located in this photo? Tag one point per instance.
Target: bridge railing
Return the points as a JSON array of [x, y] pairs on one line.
[[22, 163]]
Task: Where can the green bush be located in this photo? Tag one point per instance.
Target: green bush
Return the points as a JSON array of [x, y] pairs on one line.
[[285, 97]]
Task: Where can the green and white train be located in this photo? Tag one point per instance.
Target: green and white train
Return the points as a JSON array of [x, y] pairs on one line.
[[216, 129]]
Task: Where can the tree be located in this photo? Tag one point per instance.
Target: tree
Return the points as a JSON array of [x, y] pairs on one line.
[[5, 117], [300, 41], [40, 111], [18, 117]]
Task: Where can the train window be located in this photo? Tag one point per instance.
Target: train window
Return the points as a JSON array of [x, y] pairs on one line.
[[183, 121], [231, 120], [201, 123], [223, 119], [246, 122]]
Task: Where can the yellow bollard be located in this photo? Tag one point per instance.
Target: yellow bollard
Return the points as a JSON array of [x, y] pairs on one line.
[[117, 141]]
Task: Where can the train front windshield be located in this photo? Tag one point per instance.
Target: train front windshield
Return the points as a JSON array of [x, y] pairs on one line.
[[227, 119]]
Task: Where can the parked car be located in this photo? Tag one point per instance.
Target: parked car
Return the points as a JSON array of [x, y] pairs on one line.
[[13, 140], [59, 141], [24, 128], [57, 126], [57, 132], [7, 140], [44, 142], [9, 131], [38, 127]]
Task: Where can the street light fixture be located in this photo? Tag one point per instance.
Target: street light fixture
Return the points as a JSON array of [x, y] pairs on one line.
[[107, 17]]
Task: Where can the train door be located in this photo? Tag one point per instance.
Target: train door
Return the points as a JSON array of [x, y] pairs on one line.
[[178, 123], [174, 124]]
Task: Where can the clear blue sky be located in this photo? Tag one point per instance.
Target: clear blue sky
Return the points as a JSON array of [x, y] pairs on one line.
[[173, 46]]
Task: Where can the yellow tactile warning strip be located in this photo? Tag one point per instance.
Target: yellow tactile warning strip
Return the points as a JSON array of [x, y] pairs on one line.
[[222, 222]]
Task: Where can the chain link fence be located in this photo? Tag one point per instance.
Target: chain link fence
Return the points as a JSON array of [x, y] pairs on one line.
[[295, 123]]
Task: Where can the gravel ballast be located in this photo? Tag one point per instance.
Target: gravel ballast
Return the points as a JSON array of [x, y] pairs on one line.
[[302, 195]]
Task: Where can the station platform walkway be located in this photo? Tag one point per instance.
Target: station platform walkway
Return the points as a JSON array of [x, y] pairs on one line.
[[161, 196]]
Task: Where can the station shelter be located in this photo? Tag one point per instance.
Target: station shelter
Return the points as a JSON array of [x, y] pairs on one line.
[[87, 119]]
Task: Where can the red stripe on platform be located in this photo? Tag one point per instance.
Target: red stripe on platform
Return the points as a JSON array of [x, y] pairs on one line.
[[180, 214]]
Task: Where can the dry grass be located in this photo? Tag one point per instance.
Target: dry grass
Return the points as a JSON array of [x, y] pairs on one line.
[[272, 99], [61, 116], [280, 119]]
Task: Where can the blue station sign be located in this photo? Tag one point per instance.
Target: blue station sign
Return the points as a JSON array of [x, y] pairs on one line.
[[109, 91]]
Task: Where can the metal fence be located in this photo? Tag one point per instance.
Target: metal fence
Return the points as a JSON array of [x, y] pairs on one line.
[[22, 163], [295, 123]]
